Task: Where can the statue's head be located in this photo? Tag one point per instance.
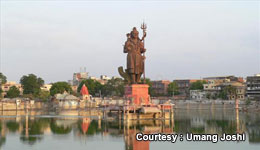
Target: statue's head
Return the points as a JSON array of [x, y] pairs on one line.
[[128, 35], [134, 33]]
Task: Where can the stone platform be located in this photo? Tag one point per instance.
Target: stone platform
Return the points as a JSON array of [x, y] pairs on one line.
[[137, 94]]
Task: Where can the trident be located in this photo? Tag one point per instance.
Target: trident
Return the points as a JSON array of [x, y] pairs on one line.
[[144, 27]]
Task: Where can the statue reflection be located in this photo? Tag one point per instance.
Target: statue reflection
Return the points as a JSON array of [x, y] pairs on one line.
[[131, 128], [132, 144]]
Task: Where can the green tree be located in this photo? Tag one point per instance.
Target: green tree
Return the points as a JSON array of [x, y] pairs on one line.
[[231, 91], [12, 126], [36, 128], [30, 96], [173, 88], [2, 81], [226, 92], [92, 85], [198, 85], [208, 96], [114, 87], [223, 94], [59, 129], [44, 95], [151, 89], [60, 87], [2, 78], [13, 92], [1, 91], [31, 84], [248, 102]]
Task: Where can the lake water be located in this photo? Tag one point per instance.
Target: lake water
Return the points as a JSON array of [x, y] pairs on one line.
[[59, 132]]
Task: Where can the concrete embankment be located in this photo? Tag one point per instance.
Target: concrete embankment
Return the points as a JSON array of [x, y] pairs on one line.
[[22, 105]]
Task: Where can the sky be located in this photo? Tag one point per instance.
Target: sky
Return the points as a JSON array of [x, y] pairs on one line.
[[185, 39]]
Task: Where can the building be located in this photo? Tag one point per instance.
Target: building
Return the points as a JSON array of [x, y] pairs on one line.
[[46, 87], [240, 89], [78, 77], [74, 88], [161, 87], [104, 77], [84, 92], [66, 100], [253, 87], [197, 94], [211, 87], [5, 87], [216, 84], [184, 87], [224, 78], [115, 77], [102, 80], [93, 78]]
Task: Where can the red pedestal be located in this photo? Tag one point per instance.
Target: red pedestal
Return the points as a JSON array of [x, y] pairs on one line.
[[138, 93]]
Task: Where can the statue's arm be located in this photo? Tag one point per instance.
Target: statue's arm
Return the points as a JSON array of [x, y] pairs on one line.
[[142, 47], [126, 47]]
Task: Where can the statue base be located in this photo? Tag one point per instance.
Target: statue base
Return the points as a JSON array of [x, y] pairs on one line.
[[137, 94]]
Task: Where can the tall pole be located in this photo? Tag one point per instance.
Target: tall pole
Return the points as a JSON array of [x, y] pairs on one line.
[[144, 27]]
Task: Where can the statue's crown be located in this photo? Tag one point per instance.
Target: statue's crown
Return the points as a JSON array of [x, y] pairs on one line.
[[134, 30]]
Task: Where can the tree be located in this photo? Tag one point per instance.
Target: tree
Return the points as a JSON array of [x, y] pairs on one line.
[[223, 94], [198, 85], [13, 92], [31, 84], [92, 85], [12, 126], [60, 87], [231, 91], [36, 127], [44, 95], [208, 96], [2, 81], [114, 87], [151, 89], [1, 91], [227, 92], [59, 129], [2, 78], [29, 96], [173, 89]]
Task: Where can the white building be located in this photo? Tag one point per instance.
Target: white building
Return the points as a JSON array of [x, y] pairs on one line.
[[197, 94], [104, 77], [46, 87], [5, 87]]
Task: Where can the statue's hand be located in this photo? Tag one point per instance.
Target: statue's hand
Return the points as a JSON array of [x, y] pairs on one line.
[[144, 34]]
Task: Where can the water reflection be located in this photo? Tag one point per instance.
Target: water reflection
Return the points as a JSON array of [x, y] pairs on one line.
[[32, 130]]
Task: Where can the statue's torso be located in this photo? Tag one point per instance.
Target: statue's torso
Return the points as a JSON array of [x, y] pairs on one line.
[[135, 46]]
